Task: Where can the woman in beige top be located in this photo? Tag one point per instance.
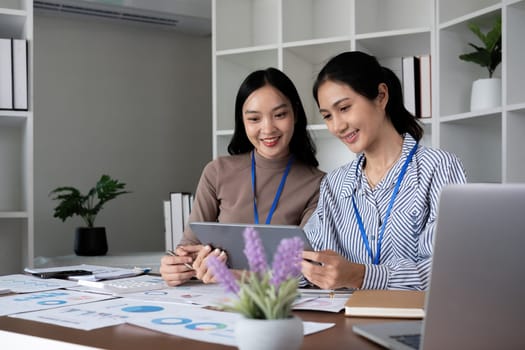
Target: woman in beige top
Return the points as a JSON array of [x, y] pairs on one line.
[[270, 145]]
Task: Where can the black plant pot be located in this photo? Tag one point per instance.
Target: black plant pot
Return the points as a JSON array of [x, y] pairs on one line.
[[91, 241]]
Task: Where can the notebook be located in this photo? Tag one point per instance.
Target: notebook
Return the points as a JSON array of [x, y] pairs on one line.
[[477, 290], [386, 303], [229, 237]]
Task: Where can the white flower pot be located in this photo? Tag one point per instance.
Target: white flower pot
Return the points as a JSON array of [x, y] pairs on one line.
[[281, 334], [485, 94]]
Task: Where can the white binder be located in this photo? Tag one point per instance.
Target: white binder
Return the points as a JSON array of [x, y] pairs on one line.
[[20, 74], [6, 74]]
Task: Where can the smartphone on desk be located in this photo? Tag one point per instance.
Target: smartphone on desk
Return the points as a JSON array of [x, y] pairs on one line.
[[64, 274]]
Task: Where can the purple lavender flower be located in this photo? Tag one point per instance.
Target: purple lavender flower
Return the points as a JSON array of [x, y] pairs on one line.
[[254, 251], [287, 261], [223, 274]]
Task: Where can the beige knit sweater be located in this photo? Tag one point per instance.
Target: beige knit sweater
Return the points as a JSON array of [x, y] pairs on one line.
[[224, 193]]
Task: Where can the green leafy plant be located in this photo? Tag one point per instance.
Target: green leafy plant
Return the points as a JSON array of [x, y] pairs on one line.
[[488, 56], [72, 202]]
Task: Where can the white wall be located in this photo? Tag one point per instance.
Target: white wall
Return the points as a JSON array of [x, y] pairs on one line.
[[132, 102]]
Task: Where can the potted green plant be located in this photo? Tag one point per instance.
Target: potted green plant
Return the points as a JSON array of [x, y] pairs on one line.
[[89, 240], [486, 93], [265, 295]]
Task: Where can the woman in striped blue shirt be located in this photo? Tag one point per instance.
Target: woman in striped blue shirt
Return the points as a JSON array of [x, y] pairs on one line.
[[375, 221]]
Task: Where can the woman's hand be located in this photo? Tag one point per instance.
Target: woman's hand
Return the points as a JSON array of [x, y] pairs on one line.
[[329, 270], [200, 266], [176, 269]]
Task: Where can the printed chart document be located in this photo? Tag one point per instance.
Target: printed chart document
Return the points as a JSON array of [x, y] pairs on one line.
[[191, 293], [201, 295], [89, 316], [326, 300], [219, 326], [19, 283], [325, 304], [386, 303], [13, 304], [203, 325], [184, 321]]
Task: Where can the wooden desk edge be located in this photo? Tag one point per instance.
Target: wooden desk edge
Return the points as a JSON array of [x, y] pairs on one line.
[[127, 337]]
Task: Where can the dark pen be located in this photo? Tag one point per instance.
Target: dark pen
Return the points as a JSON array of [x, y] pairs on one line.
[[172, 253]]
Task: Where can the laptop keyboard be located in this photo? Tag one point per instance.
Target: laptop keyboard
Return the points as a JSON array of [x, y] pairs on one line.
[[410, 340]]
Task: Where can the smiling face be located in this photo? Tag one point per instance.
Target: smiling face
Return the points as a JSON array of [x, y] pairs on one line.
[[269, 122], [357, 121]]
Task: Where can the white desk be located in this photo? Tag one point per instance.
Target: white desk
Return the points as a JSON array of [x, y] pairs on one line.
[[124, 260]]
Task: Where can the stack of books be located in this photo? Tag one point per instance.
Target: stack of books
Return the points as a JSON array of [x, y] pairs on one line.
[[176, 215], [13, 74]]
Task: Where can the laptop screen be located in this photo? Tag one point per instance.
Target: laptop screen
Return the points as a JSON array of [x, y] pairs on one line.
[[477, 285]]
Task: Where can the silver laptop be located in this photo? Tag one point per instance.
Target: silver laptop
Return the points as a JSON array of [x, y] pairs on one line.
[[229, 237], [476, 298]]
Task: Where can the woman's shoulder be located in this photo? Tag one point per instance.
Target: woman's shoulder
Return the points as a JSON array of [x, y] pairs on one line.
[[231, 163], [342, 174], [431, 155]]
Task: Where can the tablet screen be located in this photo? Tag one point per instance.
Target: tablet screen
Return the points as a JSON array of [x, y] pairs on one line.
[[229, 237]]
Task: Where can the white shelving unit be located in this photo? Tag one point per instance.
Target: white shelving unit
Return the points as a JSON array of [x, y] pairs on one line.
[[299, 36], [16, 153], [489, 142]]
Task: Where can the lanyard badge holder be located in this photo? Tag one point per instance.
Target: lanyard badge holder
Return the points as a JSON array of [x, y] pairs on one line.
[[376, 259]]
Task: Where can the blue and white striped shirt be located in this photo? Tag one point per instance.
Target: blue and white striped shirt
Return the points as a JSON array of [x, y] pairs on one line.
[[406, 248]]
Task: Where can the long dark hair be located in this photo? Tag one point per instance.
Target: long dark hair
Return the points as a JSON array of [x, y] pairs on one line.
[[363, 74], [301, 144]]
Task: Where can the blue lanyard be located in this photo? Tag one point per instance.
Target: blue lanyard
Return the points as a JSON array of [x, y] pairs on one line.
[[388, 211], [277, 194]]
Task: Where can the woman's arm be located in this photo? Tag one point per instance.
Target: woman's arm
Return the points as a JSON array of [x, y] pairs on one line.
[[330, 270], [205, 206], [312, 202], [173, 269]]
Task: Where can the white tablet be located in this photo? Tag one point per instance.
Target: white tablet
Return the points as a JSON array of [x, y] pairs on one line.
[[229, 237]]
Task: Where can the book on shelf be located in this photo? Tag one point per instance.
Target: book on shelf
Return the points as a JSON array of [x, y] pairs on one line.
[[186, 209], [425, 86], [417, 85], [19, 74], [180, 204], [177, 221], [13, 74], [6, 74], [386, 303], [409, 83], [167, 225]]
